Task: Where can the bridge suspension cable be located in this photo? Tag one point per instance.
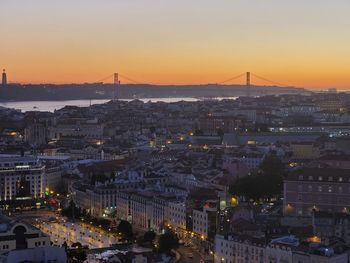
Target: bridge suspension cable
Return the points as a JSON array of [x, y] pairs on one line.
[[132, 80], [270, 81], [105, 78], [233, 78]]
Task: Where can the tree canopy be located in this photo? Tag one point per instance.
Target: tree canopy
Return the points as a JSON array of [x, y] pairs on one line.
[[264, 184], [72, 211], [125, 229], [167, 242], [149, 236]]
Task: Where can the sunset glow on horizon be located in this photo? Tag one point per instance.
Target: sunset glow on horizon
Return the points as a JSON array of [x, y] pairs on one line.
[[293, 42]]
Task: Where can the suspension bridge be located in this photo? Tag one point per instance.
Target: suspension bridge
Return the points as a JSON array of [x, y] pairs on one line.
[[116, 78]]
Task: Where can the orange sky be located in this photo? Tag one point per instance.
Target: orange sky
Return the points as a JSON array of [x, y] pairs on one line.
[[177, 42]]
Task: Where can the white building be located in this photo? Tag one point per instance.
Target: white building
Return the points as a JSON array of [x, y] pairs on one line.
[[38, 254], [86, 130], [16, 235], [147, 209], [247, 249], [176, 215], [21, 177], [200, 223], [236, 249], [102, 199], [204, 220]]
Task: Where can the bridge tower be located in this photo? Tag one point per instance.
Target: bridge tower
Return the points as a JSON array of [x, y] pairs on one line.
[[248, 84], [116, 83], [4, 78]]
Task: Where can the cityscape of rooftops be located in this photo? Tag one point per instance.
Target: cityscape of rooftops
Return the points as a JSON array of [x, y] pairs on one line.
[[179, 131]]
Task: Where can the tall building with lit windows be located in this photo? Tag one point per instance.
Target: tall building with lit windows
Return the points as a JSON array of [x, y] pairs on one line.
[[21, 178]]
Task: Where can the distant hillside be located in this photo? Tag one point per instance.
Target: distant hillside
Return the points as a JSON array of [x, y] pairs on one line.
[[15, 92]]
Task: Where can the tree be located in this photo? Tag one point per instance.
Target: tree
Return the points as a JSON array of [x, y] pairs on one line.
[[125, 229], [198, 132], [76, 255], [272, 165], [152, 129], [220, 132], [167, 242], [112, 175], [149, 236], [72, 211], [264, 184]]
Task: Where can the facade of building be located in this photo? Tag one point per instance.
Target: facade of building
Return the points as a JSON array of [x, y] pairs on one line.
[[200, 223], [319, 189], [327, 224], [102, 199], [216, 124], [331, 104], [176, 215], [247, 249], [305, 150], [147, 210], [37, 254], [239, 249], [35, 134], [204, 220], [16, 235], [86, 130], [21, 178]]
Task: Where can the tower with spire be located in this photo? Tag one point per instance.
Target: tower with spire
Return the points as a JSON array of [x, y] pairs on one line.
[[4, 78]]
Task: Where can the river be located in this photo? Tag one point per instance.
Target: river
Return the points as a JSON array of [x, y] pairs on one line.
[[55, 105]]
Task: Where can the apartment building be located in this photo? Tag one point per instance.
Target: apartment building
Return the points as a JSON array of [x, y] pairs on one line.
[[239, 249], [204, 220], [176, 214], [148, 209], [233, 248], [321, 189], [21, 178]]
